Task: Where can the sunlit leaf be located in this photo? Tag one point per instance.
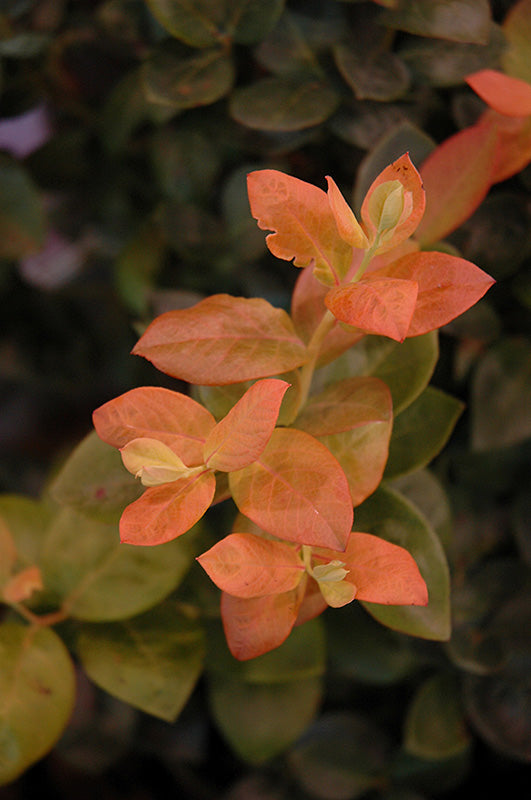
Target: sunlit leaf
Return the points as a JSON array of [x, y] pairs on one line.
[[153, 462], [221, 340], [348, 226], [380, 306], [240, 437], [36, 683], [151, 662], [435, 727], [458, 20], [296, 490], [505, 94]]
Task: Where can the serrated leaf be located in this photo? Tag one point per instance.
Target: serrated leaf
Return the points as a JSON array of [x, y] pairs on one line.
[[421, 431], [22, 222], [36, 683], [458, 20], [221, 340], [284, 104], [390, 516], [151, 662], [96, 578], [435, 727], [296, 490]]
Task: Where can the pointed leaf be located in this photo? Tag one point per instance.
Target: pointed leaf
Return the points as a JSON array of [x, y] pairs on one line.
[[421, 431], [165, 512], [300, 215], [37, 683], [506, 95], [348, 226], [447, 286], [456, 177], [151, 661], [376, 305], [96, 578], [296, 490], [242, 435], [223, 340], [156, 413], [401, 170]]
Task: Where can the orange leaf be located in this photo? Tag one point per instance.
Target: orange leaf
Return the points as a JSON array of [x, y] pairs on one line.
[[164, 512], [514, 143], [348, 226], [383, 306], [345, 405], [257, 625], [296, 490], [242, 435], [448, 286], [457, 175], [245, 565], [505, 94], [304, 225], [152, 412], [221, 340], [404, 171], [381, 572]]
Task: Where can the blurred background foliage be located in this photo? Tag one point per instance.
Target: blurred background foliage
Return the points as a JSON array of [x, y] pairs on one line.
[[126, 131]]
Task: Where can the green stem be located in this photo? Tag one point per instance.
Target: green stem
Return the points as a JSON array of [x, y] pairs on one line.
[[43, 621], [325, 326]]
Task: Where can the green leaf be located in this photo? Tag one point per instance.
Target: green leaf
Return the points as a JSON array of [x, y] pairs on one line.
[[427, 493], [37, 688], [185, 161], [458, 20], [434, 727], [284, 104], [125, 108], [27, 521], [517, 30], [500, 407], [379, 75], [93, 481], [245, 237], [138, 264], [201, 23], [151, 662], [96, 578], [421, 431], [396, 520], [22, 222], [341, 757], [187, 81]]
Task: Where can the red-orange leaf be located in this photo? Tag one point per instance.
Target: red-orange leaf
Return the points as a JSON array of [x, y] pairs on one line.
[[456, 176], [245, 565], [240, 437], [221, 340], [448, 286], [404, 171], [381, 572], [152, 412], [165, 512], [383, 306], [296, 490], [300, 215], [260, 624], [505, 94], [513, 152], [346, 405]]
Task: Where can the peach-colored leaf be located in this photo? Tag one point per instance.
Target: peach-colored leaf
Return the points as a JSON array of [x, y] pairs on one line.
[[404, 171], [164, 512], [245, 565], [304, 227], [152, 412], [296, 490], [448, 286], [240, 437], [456, 175], [348, 226], [383, 306], [513, 151], [22, 585], [257, 625], [505, 94], [382, 572], [221, 340]]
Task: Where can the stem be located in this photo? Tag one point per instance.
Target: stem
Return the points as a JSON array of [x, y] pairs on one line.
[[45, 620], [367, 258], [325, 326]]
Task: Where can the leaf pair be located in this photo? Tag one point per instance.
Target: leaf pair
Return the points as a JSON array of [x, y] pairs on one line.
[[268, 586]]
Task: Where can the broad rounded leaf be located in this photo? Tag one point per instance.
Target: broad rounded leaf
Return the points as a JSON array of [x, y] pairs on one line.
[[37, 686], [301, 216], [245, 565], [151, 662], [393, 518], [96, 578], [506, 95], [165, 512], [243, 433], [221, 340], [296, 490], [379, 75], [284, 104], [457, 20], [27, 521], [156, 413], [435, 726]]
